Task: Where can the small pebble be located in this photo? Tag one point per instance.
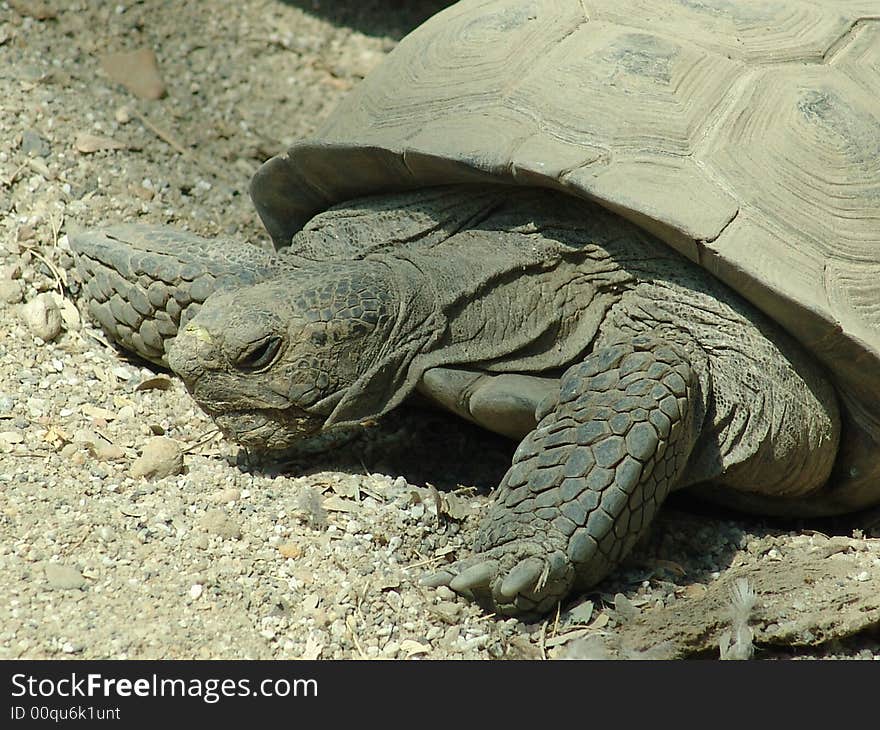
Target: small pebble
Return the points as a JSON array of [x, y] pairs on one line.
[[624, 607], [195, 591], [137, 71], [161, 457], [68, 450], [448, 609], [42, 316], [10, 271], [64, 578], [217, 522], [105, 451], [11, 437], [290, 550], [445, 593], [224, 496], [34, 144], [11, 291]]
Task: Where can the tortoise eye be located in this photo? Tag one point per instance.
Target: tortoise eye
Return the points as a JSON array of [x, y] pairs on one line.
[[260, 355]]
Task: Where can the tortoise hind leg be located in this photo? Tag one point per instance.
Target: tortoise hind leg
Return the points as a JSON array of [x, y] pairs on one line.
[[587, 481]]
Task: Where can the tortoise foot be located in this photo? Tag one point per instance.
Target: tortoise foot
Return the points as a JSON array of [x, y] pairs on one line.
[[516, 579]]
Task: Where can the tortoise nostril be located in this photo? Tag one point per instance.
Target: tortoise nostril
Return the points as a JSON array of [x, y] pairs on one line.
[[191, 352]]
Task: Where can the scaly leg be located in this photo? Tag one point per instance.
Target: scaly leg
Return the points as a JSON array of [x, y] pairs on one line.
[[586, 483]]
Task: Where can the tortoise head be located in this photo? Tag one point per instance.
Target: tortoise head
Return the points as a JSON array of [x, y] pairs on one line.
[[271, 362]]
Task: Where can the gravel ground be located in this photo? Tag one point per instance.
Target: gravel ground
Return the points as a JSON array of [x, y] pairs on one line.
[[318, 555]]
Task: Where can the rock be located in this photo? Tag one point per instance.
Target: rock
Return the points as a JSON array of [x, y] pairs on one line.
[[105, 451], [88, 143], [582, 613], [42, 316], [444, 593], [161, 457], [64, 578], [68, 450], [85, 436], [10, 271], [224, 496], [137, 71], [217, 522], [69, 312], [33, 144], [624, 607], [290, 550]]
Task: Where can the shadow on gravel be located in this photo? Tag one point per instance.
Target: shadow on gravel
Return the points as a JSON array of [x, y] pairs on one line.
[[422, 445], [392, 18]]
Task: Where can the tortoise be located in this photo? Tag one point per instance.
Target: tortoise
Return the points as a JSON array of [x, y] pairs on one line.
[[640, 236]]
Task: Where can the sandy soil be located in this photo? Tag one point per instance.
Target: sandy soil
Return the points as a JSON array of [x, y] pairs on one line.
[[318, 556]]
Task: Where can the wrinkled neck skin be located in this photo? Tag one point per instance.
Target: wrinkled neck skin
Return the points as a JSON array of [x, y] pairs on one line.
[[344, 341]]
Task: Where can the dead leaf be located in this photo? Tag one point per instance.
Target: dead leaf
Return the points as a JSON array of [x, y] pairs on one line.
[[582, 613], [89, 143], [313, 649], [137, 71], [670, 566], [99, 413], [57, 437], [410, 648], [337, 504], [694, 590], [346, 488], [455, 507], [566, 637], [157, 383]]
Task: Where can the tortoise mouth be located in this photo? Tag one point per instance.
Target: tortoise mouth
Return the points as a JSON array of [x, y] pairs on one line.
[[268, 429]]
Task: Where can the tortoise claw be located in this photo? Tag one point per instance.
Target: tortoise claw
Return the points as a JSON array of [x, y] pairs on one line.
[[479, 575], [508, 581], [524, 577], [437, 579]]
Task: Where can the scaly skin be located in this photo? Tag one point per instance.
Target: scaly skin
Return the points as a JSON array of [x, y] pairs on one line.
[[659, 378], [142, 283], [587, 481]]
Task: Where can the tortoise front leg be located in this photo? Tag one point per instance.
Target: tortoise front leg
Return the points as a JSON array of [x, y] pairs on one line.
[[143, 283], [587, 481]]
